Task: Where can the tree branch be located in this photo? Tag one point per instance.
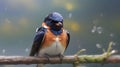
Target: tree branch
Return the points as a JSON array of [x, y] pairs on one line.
[[56, 60], [106, 57]]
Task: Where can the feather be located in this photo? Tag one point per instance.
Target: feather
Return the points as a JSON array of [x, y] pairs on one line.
[[37, 41]]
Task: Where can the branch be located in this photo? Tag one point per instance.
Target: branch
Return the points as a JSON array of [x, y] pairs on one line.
[[56, 60], [74, 59]]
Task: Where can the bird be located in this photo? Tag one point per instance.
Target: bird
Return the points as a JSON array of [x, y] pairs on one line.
[[51, 38]]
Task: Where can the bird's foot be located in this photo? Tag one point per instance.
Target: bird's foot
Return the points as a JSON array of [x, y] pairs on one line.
[[61, 57], [47, 56]]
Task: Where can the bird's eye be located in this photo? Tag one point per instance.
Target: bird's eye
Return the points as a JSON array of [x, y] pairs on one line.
[[54, 21]]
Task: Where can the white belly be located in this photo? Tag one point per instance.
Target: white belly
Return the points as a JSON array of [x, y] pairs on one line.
[[55, 49]]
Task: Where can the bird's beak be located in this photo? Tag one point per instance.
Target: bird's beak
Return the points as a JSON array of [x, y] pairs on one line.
[[58, 24]]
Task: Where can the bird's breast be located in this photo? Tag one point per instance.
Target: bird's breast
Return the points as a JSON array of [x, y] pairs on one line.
[[54, 48], [53, 45]]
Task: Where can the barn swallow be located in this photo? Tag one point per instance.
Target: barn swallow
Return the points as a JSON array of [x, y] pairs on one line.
[[51, 38]]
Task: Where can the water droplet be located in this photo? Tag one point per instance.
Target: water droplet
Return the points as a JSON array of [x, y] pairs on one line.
[[111, 35], [114, 51], [26, 50], [98, 45], [3, 51], [99, 30], [70, 15], [94, 29], [83, 49], [113, 43]]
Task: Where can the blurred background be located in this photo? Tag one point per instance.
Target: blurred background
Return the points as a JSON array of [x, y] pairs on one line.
[[91, 23]]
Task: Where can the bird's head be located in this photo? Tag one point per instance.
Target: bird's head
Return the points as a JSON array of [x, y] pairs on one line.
[[54, 21]]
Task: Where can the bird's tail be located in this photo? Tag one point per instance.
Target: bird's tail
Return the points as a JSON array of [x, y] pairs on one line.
[[40, 65]]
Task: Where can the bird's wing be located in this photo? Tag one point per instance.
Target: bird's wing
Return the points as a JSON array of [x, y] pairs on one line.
[[39, 37], [68, 38]]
